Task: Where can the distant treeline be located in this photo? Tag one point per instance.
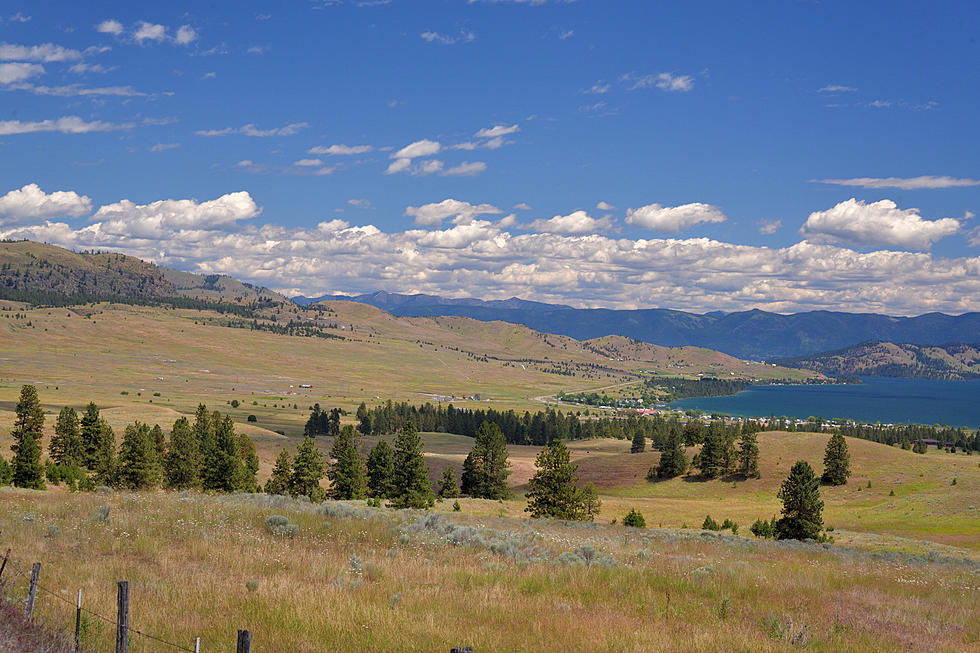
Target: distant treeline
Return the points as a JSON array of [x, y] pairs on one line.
[[903, 435], [540, 428], [704, 387], [61, 300]]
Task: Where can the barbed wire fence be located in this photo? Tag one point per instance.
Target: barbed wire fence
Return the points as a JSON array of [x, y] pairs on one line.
[[13, 570]]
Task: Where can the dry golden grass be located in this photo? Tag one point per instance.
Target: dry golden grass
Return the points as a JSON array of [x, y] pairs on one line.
[[189, 558]]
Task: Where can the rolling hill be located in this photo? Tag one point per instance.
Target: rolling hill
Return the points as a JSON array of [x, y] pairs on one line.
[[952, 362], [751, 334]]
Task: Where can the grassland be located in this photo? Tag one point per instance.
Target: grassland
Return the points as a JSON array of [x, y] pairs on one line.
[[429, 582], [902, 575]]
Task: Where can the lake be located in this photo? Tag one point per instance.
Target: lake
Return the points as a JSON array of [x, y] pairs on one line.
[[877, 399]]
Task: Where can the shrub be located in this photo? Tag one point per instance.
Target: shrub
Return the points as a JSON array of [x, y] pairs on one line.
[[252, 585], [234, 403], [728, 524], [764, 529], [252, 418], [710, 524], [456, 506], [279, 525], [102, 513], [634, 519]]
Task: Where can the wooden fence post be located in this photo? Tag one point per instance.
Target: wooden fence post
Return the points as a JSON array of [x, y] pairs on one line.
[[244, 641], [3, 565], [78, 621], [32, 590], [122, 618]]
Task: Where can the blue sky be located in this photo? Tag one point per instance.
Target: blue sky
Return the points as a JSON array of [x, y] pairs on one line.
[[595, 153]]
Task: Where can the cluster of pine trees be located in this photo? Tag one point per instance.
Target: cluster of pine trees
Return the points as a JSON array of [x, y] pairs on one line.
[[205, 454], [903, 435], [539, 429], [728, 448]]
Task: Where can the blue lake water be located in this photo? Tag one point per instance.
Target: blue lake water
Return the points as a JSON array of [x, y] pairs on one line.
[[912, 401]]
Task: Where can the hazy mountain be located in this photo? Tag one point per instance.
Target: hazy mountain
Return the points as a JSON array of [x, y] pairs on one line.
[[955, 362], [747, 334]]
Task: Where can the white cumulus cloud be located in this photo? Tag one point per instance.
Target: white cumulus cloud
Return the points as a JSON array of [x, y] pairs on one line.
[[125, 218], [149, 32], [32, 203], [672, 219], [11, 73], [498, 130], [466, 169], [423, 147], [882, 223], [433, 214], [110, 26], [45, 53], [65, 125], [577, 222]]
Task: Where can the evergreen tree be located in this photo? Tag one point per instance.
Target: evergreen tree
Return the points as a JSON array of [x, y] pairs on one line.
[[589, 500], [90, 435], [27, 469], [710, 459], [222, 472], [381, 470], [138, 469], [308, 470], [364, 419], [673, 461], [639, 442], [29, 418], [28, 430], [66, 444], [551, 491], [486, 469], [159, 441], [6, 472], [103, 463], [448, 488], [181, 462], [634, 519], [250, 464], [729, 457], [412, 488], [203, 430], [282, 473], [347, 473], [748, 454], [802, 506], [836, 461]]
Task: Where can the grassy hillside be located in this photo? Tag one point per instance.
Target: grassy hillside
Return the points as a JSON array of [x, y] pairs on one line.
[[954, 362], [355, 578], [31, 266]]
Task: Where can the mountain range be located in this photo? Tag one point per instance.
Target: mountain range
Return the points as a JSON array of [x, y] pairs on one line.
[[753, 334], [956, 362]]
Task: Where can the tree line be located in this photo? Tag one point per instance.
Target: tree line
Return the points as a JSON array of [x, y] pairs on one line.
[[205, 454]]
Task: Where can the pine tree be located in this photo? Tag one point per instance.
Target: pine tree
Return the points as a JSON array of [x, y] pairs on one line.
[[639, 442], [381, 470], [347, 473], [673, 461], [363, 419], [308, 470], [90, 435], [203, 430], [27, 433], [159, 441], [710, 459], [27, 469], [6, 472], [836, 461], [448, 488], [250, 464], [103, 463], [282, 472], [589, 500], [486, 469], [66, 444], [138, 469], [181, 462], [551, 491], [223, 462], [412, 488], [29, 418], [802, 506], [748, 454]]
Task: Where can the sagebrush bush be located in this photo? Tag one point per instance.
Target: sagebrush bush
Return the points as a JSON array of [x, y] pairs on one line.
[[279, 525]]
